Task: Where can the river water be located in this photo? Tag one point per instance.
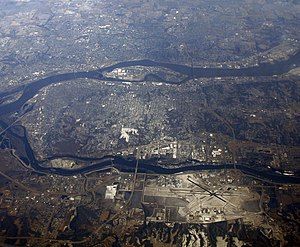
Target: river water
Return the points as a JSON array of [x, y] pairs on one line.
[[128, 165]]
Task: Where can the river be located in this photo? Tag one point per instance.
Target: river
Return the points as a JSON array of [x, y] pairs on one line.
[[128, 165]]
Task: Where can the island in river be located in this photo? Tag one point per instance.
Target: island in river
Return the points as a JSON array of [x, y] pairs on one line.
[[149, 123], [148, 126]]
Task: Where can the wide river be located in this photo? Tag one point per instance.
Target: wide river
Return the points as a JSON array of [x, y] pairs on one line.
[[127, 164]]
